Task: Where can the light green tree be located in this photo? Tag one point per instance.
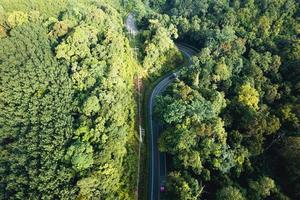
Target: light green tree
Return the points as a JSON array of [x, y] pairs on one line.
[[248, 96], [91, 106], [80, 155], [17, 18]]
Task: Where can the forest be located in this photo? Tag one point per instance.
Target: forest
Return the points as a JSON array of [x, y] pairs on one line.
[[232, 118], [68, 98], [67, 102]]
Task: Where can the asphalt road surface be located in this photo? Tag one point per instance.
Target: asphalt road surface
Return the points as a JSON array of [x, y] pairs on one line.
[[130, 24], [158, 167]]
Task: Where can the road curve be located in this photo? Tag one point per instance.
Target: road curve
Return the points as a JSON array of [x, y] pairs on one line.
[[157, 164], [130, 24]]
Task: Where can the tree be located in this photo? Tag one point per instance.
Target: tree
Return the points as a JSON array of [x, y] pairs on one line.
[[221, 71], [248, 96], [229, 193], [160, 51], [289, 117], [17, 18], [261, 188], [67, 130], [192, 160], [174, 112], [182, 187], [60, 29], [91, 106], [36, 121], [239, 92], [290, 154], [80, 155]]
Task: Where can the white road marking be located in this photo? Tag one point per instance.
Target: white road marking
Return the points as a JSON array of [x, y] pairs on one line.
[[157, 90]]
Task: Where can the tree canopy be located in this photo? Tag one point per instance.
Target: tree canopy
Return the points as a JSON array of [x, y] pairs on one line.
[[230, 111], [69, 77], [67, 102]]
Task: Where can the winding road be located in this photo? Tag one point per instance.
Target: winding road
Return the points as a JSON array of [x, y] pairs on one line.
[[158, 169], [130, 24]]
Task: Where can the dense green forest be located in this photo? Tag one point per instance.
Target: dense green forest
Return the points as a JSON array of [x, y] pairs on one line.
[[68, 108], [67, 97], [232, 117], [67, 101]]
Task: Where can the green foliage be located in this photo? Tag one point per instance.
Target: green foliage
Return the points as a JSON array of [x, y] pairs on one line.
[[36, 122], [261, 188], [183, 187], [229, 193], [67, 129], [67, 123], [81, 155], [160, 51], [290, 116], [290, 154], [221, 71], [91, 106], [51, 8], [248, 96], [101, 68], [175, 112], [237, 99], [17, 18]]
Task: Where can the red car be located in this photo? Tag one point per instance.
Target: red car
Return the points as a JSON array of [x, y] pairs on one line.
[[162, 186]]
